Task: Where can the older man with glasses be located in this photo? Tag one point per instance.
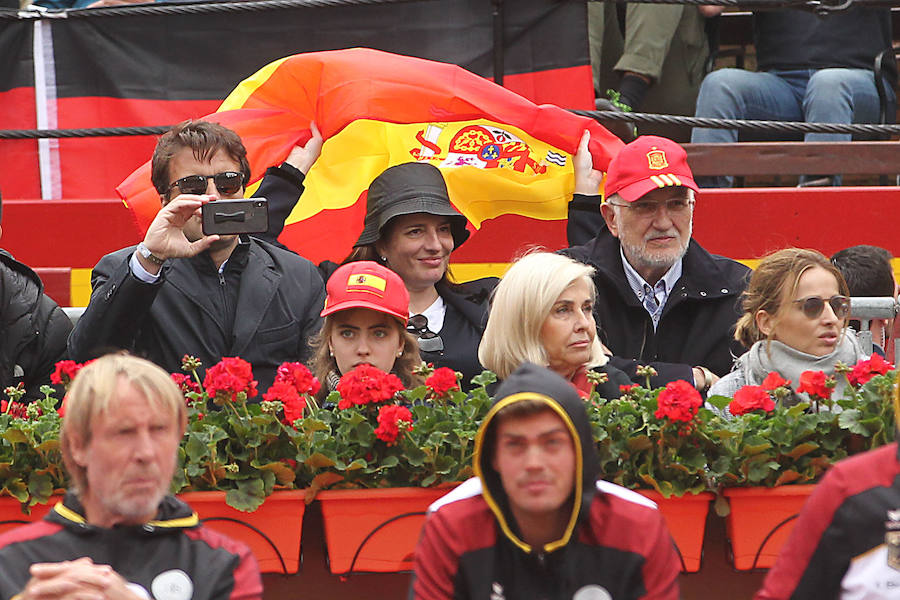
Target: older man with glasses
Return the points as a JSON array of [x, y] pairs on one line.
[[182, 292], [662, 299]]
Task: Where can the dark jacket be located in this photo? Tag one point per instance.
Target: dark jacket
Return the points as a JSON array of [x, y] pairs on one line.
[[172, 549], [697, 324], [471, 547], [467, 310], [791, 39], [276, 307], [33, 329]]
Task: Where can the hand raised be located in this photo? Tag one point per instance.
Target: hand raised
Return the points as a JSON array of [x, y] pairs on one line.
[[176, 230], [303, 158], [587, 178]]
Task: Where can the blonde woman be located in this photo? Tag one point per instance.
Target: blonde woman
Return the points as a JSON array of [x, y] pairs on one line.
[[542, 312]]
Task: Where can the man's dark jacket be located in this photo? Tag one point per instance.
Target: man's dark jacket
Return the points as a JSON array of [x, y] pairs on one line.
[[697, 324], [187, 311], [33, 329], [173, 553]]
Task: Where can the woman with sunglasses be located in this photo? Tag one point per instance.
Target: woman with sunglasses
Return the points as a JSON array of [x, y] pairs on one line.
[[365, 312], [795, 314], [542, 312]]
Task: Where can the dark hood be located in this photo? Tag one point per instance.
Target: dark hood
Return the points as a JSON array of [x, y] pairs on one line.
[[531, 382]]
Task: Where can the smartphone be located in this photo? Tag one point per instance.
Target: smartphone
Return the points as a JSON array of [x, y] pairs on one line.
[[228, 217]]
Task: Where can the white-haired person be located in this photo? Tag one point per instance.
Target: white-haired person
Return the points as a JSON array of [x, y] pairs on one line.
[[366, 313], [119, 533], [542, 312], [795, 315]]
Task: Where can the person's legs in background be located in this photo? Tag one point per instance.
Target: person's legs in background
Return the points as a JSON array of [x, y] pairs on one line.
[[739, 94]]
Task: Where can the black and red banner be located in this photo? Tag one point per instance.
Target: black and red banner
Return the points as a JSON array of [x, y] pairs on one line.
[[123, 70]]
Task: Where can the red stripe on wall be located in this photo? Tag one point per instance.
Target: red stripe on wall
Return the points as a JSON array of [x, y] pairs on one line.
[[748, 223], [18, 158], [67, 233]]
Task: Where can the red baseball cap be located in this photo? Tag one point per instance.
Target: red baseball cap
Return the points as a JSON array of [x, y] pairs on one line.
[[366, 284], [648, 163]]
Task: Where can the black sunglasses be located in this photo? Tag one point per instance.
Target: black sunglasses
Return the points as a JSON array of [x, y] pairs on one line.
[[813, 306], [228, 182], [429, 341]]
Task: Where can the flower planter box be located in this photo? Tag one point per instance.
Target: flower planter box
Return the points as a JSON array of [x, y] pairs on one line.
[[273, 531], [760, 522], [374, 530], [11, 515], [686, 518]]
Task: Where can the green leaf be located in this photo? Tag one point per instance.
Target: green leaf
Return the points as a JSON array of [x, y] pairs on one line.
[[720, 402], [318, 461], [40, 486], [283, 473], [249, 495], [802, 449], [849, 420]]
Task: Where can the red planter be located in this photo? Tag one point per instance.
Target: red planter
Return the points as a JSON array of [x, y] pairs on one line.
[[11, 515], [374, 530], [273, 531], [686, 518], [760, 522]]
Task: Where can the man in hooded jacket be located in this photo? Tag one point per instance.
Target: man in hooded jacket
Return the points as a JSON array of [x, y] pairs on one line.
[[536, 522]]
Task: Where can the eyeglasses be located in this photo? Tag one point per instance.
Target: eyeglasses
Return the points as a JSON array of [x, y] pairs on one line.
[[228, 182], [429, 341], [676, 206], [813, 306]]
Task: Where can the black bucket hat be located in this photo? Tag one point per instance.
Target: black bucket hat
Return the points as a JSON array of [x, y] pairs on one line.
[[408, 189]]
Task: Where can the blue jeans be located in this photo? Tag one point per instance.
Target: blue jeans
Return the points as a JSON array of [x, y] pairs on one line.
[[814, 96]]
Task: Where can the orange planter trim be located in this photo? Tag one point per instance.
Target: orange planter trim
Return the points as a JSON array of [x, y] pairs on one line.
[[374, 530], [273, 531], [760, 522], [686, 519]]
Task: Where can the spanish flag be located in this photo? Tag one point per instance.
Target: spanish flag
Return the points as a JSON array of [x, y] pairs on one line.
[[499, 153]]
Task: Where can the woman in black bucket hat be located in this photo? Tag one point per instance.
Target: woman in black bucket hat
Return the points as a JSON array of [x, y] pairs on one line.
[[411, 227]]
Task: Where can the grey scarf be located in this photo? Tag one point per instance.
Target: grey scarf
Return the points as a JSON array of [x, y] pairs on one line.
[[765, 357]]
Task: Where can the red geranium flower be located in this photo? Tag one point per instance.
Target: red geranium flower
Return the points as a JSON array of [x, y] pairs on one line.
[[391, 418], [628, 387], [15, 409], [299, 376], [750, 398], [865, 370], [366, 384], [816, 384], [287, 394], [773, 381], [65, 372], [443, 380], [229, 377], [186, 383], [680, 401]]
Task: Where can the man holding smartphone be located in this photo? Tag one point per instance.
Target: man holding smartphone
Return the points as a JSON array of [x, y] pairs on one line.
[[182, 292]]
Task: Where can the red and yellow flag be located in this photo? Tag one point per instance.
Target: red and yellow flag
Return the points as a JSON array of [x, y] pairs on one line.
[[499, 153]]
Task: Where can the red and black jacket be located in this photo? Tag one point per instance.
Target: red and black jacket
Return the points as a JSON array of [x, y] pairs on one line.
[[616, 540], [173, 547]]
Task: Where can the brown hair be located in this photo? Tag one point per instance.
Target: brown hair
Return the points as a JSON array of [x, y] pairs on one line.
[[204, 138], [94, 390], [322, 363], [774, 280]]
